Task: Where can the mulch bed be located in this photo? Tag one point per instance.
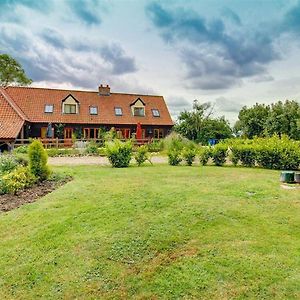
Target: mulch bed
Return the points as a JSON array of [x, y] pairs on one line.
[[9, 202]]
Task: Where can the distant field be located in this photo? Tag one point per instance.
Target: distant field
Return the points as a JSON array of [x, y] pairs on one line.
[[155, 232]]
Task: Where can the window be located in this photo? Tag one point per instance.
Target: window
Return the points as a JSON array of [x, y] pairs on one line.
[[93, 110], [139, 112], [118, 111], [49, 108], [158, 133], [155, 113], [70, 108]]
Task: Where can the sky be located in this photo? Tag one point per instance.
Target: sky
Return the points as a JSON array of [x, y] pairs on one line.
[[230, 53]]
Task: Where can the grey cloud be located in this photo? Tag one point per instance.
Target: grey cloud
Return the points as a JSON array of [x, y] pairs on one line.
[[223, 57], [120, 62], [223, 104], [53, 38]]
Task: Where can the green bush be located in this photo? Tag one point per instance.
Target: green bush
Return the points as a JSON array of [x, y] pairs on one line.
[[156, 146], [246, 154], [18, 179], [219, 154], [141, 155], [54, 152], [204, 155], [92, 148], [21, 149], [174, 157], [38, 160], [8, 163], [189, 154], [119, 153]]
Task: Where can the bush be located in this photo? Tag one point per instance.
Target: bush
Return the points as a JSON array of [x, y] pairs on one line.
[[141, 155], [119, 153], [92, 148], [189, 155], [174, 157], [219, 154], [21, 149], [54, 152], [8, 163], [246, 154], [16, 180], [204, 155], [156, 146], [38, 160]]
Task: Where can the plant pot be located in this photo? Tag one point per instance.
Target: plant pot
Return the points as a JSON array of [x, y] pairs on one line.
[[287, 176], [297, 177]]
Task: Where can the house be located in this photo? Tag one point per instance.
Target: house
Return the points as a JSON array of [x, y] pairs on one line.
[[27, 112]]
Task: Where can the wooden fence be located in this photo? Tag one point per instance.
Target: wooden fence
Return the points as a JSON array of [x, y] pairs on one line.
[[67, 143]]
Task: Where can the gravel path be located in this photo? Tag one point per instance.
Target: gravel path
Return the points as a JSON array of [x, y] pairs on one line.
[[92, 160]]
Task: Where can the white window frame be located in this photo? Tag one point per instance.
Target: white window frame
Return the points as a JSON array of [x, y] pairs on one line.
[[93, 110], [49, 108], [118, 111], [155, 112]]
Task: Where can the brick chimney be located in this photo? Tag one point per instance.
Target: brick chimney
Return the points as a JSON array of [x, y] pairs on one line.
[[104, 90]]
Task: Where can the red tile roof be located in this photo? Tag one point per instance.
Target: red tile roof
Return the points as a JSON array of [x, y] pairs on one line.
[[11, 121], [32, 103]]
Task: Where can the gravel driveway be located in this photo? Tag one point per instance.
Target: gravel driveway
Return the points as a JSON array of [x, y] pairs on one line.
[[92, 160]]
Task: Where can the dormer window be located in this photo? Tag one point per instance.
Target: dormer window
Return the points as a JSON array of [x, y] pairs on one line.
[[93, 110], [118, 111], [70, 105], [155, 113], [49, 108], [70, 108], [139, 111]]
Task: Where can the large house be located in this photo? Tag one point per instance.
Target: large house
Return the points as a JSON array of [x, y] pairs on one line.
[[27, 112]]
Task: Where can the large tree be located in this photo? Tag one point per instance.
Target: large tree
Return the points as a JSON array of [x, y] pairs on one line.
[[252, 120], [266, 120], [11, 72], [198, 124]]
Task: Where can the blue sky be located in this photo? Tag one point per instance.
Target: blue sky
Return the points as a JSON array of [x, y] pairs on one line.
[[232, 53]]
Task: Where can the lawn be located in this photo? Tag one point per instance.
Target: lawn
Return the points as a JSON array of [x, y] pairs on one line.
[[155, 232]]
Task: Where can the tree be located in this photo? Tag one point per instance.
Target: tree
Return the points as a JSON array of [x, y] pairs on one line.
[[11, 72], [284, 118], [198, 124], [252, 120]]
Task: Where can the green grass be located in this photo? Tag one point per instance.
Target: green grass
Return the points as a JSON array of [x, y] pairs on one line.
[[156, 232]]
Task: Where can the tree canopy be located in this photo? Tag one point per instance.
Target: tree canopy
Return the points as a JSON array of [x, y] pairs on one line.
[[199, 125], [11, 72], [278, 118]]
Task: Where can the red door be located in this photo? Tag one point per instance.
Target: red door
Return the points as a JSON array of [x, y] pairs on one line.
[[68, 136]]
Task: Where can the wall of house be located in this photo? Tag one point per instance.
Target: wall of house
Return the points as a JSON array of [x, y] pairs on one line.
[[34, 129]]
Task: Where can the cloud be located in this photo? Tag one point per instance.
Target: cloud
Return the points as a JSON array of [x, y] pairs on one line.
[[209, 51], [223, 104], [87, 11], [53, 38], [231, 15], [177, 104], [121, 63]]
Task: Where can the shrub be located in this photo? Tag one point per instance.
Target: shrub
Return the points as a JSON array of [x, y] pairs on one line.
[[21, 149], [156, 146], [247, 155], [54, 152], [219, 154], [141, 155], [119, 153], [92, 148], [234, 155], [17, 180], [38, 160], [175, 141], [8, 163], [174, 157], [204, 155], [189, 155]]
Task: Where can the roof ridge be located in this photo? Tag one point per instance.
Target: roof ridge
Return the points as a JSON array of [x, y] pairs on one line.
[[15, 107], [72, 90]]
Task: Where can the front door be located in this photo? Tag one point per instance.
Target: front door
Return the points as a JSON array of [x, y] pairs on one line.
[[68, 136]]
